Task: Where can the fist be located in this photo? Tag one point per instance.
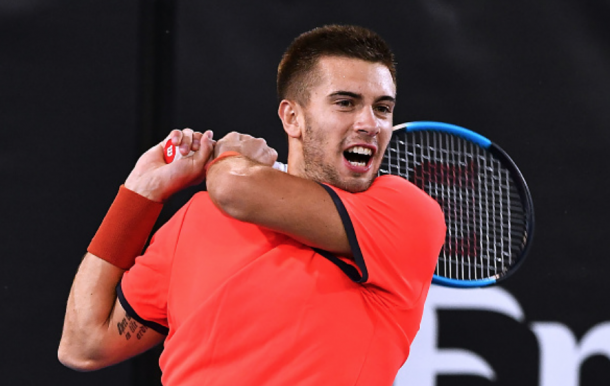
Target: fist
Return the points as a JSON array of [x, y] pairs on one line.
[[154, 178]]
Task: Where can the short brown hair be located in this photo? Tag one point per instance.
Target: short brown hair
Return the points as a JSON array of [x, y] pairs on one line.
[[295, 72]]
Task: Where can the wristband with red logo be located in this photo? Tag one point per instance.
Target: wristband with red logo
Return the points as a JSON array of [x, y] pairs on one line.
[[125, 229]]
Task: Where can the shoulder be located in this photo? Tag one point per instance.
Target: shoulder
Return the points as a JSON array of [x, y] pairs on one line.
[[200, 197], [402, 191], [409, 200], [392, 197], [389, 190], [392, 184], [397, 185], [199, 201], [188, 213]]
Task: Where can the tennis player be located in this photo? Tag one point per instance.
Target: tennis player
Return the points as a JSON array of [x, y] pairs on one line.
[[317, 276]]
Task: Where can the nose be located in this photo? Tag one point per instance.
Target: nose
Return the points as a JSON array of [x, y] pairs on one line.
[[367, 122]]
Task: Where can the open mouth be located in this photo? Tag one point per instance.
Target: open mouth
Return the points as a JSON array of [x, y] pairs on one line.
[[358, 155]]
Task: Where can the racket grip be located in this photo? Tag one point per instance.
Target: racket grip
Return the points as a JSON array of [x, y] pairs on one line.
[[171, 153]]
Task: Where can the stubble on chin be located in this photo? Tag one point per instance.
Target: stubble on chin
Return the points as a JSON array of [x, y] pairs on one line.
[[316, 169]]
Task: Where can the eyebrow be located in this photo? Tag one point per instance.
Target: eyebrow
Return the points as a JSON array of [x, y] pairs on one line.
[[386, 98], [359, 96]]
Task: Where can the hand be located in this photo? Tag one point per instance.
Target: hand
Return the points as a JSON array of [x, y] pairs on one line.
[[255, 149], [157, 180]]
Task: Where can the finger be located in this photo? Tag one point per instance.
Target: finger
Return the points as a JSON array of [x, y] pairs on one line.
[[196, 140], [187, 141], [198, 137], [270, 156], [206, 149], [175, 136]]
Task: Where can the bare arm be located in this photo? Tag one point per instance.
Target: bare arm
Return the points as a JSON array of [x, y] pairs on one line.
[[248, 189], [96, 325], [97, 331]]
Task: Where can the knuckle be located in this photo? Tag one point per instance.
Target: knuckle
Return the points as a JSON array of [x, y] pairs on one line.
[[232, 136]]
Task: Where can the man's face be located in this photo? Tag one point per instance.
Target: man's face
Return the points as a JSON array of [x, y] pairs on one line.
[[348, 122]]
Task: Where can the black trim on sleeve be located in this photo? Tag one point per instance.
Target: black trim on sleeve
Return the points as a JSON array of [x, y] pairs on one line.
[[348, 269], [130, 311]]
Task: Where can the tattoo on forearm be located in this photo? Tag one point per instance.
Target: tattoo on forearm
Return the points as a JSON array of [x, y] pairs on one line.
[[141, 332], [122, 324], [129, 327]]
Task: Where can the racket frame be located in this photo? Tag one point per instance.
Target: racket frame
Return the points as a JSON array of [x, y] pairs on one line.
[[519, 182]]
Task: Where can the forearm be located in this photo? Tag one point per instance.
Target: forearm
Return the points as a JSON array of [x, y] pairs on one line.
[[258, 194], [88, 342], [88, 313]]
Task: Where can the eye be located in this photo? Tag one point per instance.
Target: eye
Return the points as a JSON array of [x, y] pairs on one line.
[[345, 103], [383, 109]]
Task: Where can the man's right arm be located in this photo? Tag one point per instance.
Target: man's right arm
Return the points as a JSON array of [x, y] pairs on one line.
[[97, 331]]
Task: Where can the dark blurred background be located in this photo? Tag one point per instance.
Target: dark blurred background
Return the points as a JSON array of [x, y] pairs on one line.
[[86, 86]]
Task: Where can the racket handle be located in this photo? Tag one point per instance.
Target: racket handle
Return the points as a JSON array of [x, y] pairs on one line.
[[171, 153]]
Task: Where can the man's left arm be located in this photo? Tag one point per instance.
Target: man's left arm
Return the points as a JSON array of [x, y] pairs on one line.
[[254, 192]]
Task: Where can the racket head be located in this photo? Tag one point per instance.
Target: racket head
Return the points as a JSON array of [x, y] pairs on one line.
[[488, 207]]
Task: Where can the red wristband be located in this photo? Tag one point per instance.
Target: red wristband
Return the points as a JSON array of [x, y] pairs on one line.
[[224, 155], [125, 229]]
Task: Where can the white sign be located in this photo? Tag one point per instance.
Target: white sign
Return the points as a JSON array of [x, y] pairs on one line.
[[560, 354]]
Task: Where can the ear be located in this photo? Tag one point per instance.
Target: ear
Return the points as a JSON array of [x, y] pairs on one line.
[[291, 113]]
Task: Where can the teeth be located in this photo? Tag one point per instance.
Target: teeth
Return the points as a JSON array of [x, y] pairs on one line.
[[357, 163], [360, 150]]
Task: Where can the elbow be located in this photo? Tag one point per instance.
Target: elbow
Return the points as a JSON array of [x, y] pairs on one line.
[[77, 360], [227, 193], [76, 363]]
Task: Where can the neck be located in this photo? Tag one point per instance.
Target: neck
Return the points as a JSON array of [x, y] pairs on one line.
[[296, 164]]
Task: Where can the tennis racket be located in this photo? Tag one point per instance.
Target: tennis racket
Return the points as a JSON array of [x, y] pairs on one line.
[[487, 205]]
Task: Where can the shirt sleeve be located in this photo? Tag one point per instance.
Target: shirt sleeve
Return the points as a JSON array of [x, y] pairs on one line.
[[396, 232], [143, 290]]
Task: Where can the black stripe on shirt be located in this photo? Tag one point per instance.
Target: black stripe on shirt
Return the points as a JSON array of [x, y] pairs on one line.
[[348, 269], [131, 312]]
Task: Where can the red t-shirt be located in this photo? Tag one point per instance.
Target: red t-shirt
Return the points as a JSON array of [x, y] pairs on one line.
[[242, 305]]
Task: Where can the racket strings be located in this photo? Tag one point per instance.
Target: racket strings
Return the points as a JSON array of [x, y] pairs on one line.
[[485, 219]]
